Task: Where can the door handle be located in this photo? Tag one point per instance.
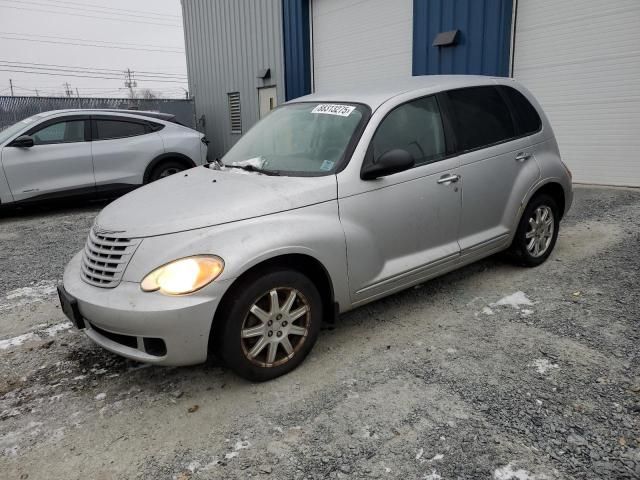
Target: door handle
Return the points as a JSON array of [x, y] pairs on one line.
[[522, 156], [447, 179]]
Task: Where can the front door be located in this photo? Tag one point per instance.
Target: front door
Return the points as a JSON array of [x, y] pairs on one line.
[[403, 228], [267, 100], [58, 162]]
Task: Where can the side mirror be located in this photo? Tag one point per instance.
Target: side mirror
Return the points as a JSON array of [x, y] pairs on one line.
[[393, 161], [24, 141]]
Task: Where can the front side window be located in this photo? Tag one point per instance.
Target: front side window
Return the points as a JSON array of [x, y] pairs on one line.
[[415, 127], [61, 132], [301, 139], [480, 117], [108, 129]]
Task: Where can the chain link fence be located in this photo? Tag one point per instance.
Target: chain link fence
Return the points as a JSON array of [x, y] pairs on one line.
[[14, 109]]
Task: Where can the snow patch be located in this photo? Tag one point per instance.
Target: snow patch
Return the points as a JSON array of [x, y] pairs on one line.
[[432, 476], [508, 473], [231, 455], [543, 365], [419, 454], [436, 457], [101, 396], [38, 292], [487, 311], [514, 300], [51, 331]]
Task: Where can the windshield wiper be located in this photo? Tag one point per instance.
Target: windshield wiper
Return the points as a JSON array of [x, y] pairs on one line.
[[252, 168]]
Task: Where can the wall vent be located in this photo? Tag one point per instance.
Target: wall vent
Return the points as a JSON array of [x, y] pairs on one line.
[[234, 113]]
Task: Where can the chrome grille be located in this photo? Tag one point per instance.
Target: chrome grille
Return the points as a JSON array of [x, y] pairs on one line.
[[105, 258]]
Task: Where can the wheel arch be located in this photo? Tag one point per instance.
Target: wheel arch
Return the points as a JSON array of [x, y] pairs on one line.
[[301, 262], [180, 157], [554, 190]]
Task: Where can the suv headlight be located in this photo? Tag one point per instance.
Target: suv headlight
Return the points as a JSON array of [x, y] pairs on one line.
[[185, 275]]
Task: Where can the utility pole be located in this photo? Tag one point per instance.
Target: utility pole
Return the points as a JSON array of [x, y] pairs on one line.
[[129, 82], [11, 86], [67, 89], [37, 93], [77, 92]]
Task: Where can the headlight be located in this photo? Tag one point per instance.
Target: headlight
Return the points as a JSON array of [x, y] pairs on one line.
[[185, 275]]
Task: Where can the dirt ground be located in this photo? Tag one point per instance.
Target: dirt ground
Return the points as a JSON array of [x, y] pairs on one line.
[[490, 372]]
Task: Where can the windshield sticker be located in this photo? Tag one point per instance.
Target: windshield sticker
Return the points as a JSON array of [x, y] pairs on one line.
[[334, 109], [327, 165]]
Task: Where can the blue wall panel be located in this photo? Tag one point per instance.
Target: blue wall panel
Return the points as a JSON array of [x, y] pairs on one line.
[[297, 49], [484, 36]]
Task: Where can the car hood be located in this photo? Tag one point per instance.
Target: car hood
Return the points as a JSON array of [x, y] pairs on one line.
[[202, 197]]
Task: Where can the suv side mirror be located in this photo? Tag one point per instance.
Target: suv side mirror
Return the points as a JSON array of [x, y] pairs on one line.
[[24, 141], [393, 161]]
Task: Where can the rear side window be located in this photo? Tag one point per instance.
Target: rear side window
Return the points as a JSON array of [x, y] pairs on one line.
[[480, 117], [416, 127], [527, 118], [107, 129]]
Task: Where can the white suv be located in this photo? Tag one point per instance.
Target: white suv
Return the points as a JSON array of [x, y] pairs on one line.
[[78, 152]]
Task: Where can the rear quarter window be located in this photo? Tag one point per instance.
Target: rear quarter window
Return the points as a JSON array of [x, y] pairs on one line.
[[527, 118]]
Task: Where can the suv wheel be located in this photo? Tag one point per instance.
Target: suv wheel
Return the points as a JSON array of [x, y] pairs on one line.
[[537, 232], [165, 169], [270, 325]]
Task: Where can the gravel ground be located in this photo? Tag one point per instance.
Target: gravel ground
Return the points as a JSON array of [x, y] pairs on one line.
[[492, 371]]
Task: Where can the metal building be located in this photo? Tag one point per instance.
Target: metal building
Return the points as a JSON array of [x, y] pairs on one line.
[[579, 57]]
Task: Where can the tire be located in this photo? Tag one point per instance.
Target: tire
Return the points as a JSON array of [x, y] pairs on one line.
[[537, 234], [165, 169], [250, 310]]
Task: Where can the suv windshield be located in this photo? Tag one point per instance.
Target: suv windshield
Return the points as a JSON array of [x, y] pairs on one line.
[[299, 139], [9, 132]]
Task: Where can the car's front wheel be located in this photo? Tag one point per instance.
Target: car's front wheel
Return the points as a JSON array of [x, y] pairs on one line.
[[537, 232], [270, 324]]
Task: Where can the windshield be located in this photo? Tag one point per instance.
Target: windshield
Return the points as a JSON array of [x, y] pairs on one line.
[[9, 132], [299, 139]]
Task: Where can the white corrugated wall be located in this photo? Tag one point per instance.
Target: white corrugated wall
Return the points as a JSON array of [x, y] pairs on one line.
[[355, 40], [581, 59]]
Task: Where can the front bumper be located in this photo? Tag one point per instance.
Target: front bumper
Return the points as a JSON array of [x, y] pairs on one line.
[[120, 319]]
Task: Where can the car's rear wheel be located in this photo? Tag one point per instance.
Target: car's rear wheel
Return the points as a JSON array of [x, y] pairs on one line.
[[271, 324], [166, 169], [537, 232]]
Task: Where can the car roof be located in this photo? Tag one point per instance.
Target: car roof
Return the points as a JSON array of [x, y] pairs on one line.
[[168, 117], [375, 93]]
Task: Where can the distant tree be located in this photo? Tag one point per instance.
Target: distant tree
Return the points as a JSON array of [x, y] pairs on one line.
[[147, 94]]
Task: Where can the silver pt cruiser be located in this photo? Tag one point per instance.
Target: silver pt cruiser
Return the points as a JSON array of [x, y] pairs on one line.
[[330, 202]]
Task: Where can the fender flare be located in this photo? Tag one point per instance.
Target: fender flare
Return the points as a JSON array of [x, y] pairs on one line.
[[166, 156]]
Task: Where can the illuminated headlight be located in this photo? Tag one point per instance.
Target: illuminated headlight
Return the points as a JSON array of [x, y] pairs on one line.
[[185, 275]]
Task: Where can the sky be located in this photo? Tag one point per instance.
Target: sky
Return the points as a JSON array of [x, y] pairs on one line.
[[47, 43]]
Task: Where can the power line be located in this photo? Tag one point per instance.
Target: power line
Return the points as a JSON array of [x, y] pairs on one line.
[[87, 76], [82, 9], [91, 5], [89, 45], [87, 71], [93, 16], [94, 69], [120, 44]]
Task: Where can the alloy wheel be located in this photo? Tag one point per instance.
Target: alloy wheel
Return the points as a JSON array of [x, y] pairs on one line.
[[276, 327], [540, 232], [168, 171]]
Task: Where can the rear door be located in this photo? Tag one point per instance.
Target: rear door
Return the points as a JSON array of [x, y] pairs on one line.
[[122, 148], [57, 164], [497, 166]]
